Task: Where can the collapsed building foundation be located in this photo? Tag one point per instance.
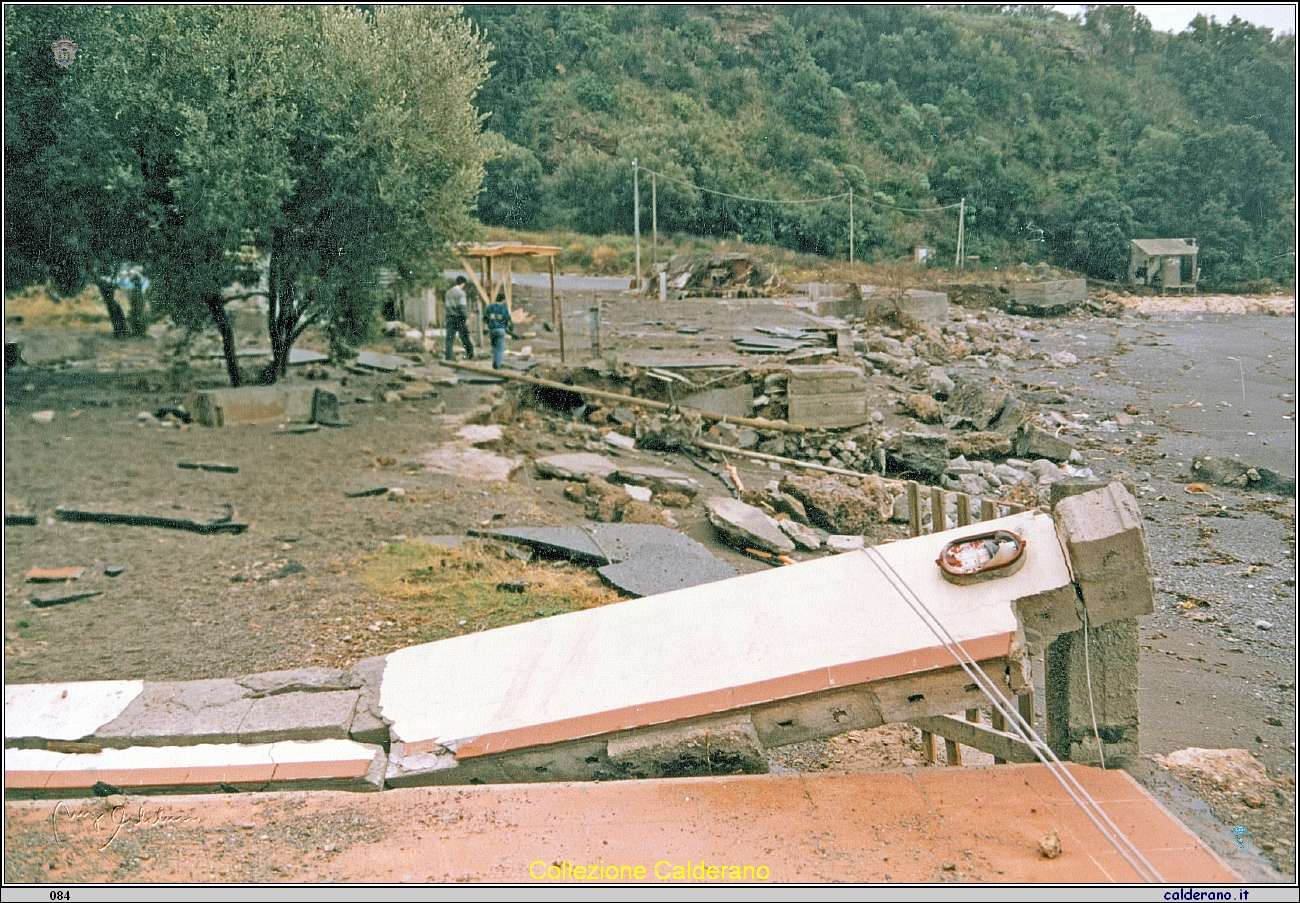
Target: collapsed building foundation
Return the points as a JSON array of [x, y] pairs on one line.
[[701, 680]]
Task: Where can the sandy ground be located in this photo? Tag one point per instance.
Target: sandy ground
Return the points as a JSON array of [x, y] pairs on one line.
[[190, 606]]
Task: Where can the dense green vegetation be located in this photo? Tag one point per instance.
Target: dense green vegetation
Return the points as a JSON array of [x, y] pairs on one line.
[[1065, 138]]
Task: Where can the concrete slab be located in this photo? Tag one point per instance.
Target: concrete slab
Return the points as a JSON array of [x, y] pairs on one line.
[[387, 363], [70, 711], [658, 479], [299, 716], [576, 466], [337, 763], [572, 543], [298, 680], [180, 713], [734, 402], [874, 828], [252, 404], [774, 635], [661, 569], [745, 526]]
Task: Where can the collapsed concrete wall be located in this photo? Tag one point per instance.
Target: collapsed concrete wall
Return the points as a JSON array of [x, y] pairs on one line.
[[696, 681]]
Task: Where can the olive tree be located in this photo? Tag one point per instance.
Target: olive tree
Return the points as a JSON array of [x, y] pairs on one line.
[[335, 140]]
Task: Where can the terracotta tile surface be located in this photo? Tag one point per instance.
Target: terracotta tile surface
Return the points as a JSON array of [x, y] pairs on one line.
[[935, 826]]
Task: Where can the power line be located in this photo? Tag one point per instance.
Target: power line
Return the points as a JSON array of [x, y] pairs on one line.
[[739, 197], [913, 209]]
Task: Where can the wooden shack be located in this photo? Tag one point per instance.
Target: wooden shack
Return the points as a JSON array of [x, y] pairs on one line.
[[1158, 262]]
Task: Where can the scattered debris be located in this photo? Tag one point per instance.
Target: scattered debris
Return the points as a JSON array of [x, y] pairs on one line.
[[715, 274], [1226, 769], [849, 506], [18, 513], [64, 600], [54, 575], [43, 417], [210, 468], [114, 570], [577, 466], [224, 524], [1049, 845], [1227, 472], [385, 363]]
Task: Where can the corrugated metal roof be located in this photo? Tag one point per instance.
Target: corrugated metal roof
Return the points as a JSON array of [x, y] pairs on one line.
[[1155, 247]]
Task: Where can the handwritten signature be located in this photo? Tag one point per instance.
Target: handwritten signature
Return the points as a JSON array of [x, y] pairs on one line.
[[113, 820]]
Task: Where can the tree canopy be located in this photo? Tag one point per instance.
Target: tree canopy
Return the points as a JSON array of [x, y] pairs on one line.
[[334, 140], [1066, 137]]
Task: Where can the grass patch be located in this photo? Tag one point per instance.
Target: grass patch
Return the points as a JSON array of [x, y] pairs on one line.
[[36, 307], [433, 589]]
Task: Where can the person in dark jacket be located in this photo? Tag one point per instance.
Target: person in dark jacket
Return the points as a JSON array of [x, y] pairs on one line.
[[497, 319]]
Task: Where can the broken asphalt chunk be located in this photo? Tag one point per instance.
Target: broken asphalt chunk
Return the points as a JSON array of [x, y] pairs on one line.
[[221, 525], [64, 600]]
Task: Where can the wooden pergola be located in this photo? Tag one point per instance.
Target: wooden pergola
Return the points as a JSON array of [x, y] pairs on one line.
[[486, 255]]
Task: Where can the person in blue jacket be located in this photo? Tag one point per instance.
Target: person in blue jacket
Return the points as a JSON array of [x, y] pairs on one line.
[[497, 319]]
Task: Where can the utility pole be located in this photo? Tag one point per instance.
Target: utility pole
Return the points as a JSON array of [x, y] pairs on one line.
[[850, 224], [961, 235], [654, 221], [636, 220]]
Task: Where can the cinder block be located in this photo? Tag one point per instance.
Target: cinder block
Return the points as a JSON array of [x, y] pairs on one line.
[[1102, 532], [1110, 655]]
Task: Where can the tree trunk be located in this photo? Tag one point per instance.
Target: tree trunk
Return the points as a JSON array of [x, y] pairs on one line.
[[136, 319], [116, 315], [218, 311]]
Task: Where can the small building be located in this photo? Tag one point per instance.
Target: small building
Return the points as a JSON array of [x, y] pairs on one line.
[[1164, 263]]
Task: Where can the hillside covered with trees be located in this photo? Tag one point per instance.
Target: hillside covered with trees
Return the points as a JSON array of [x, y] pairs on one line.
[[1065, 138]]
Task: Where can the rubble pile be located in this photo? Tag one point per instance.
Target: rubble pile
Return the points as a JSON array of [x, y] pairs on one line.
[[731, 275]]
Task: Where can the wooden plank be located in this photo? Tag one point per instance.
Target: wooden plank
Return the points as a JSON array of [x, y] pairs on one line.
[[963, 509], [938, 511], [914, 509], [1001, 744]]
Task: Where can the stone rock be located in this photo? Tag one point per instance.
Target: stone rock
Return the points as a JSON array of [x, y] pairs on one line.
[[746, 526], [981, 445], [640, 493], [804, 537], [1228, 472], [923, 453], [577, 466], [618, 440], [845, 543], [939, 384], [1032, 442], [784, 503], [43, 417], [849, 505], [668, 433], [923, 408], [1049, 845], [657, 479], [1226, 769], [988, 407]]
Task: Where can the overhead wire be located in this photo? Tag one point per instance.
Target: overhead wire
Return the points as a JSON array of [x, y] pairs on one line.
[[1076, 791]]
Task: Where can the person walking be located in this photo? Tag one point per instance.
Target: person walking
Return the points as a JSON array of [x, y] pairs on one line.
[[497, 319], [456, 308]]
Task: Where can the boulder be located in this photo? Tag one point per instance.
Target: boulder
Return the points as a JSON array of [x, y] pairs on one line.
[[923, 453]]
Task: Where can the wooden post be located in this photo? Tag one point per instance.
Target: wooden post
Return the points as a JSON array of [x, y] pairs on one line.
[[551, 260], [988, 510], [654, 223], [938, 511], [963, 509], [914, 508], [484, 302], [999, 724], [510, 281], [559, 307], [953, 750], [927, 747]]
